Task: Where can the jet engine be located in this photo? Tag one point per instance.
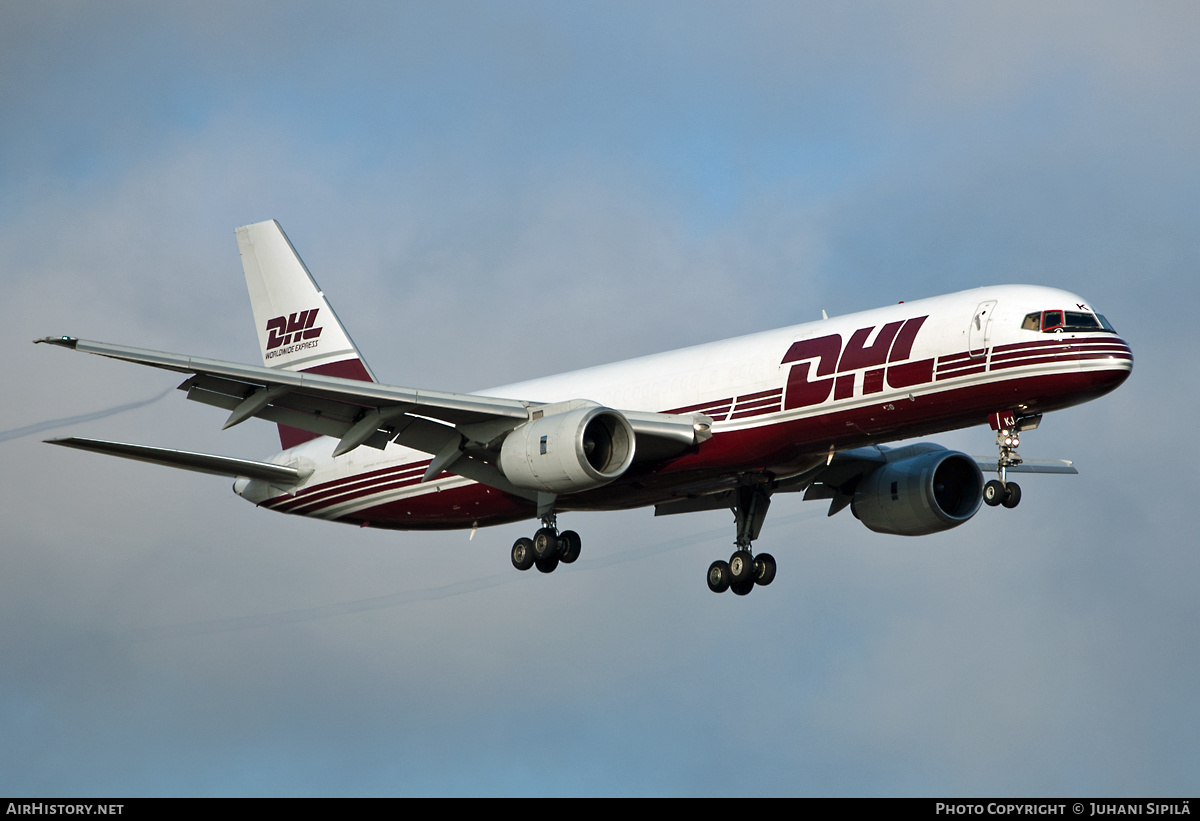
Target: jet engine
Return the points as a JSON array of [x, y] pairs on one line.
[[919, 494], [568, 452]]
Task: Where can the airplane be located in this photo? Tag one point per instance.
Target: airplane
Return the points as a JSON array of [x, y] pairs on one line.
[[723, 425]]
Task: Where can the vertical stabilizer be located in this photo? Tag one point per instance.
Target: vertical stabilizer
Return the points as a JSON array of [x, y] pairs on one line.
[[297, 328]]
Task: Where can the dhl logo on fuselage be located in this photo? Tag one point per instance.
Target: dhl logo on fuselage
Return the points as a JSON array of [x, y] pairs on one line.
[[837, 364]]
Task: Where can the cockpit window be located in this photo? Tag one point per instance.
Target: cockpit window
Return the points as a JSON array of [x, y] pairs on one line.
[[1055, 320], [1078, 321]]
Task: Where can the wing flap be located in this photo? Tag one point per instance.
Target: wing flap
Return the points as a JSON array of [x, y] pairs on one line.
[[325, 425]]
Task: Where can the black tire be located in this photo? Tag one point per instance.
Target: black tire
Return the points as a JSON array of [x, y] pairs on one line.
[[569, 545], [742, 588], [1012, 495], [547, 565], [522, 554], [741, 567], [993, 493], [545, 543], [764, 569], [718, 577]]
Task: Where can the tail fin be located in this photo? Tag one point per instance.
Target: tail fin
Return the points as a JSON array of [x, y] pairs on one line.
[[297, 328]]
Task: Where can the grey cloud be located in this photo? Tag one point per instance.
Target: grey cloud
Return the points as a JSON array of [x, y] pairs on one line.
[[488, 193]]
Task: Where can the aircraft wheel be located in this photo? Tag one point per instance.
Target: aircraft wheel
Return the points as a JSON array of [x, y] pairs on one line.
[[993, 493], [522, 554], [742, 588], [764, 569], [1012, 495], [741, 567], [569, 545], [545, 543], [547, 565], [718, 577]]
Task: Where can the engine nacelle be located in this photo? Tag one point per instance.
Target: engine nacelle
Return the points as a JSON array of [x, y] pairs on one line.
[[568, 452], [935, 490]]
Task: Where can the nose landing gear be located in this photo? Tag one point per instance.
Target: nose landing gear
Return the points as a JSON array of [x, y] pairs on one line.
[[1008, 427]]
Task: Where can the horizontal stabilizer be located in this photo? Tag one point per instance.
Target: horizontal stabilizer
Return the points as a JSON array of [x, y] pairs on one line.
[[201, 462]]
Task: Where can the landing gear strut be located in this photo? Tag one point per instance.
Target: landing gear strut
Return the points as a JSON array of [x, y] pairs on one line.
[[547, 548], [743, 570], [1008, 428]]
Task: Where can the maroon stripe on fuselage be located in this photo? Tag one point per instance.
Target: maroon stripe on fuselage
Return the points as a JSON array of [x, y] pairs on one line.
[[314, 506], [755, 412], [757, 407], [700, 407], [348, 485], [750, 397], [1050, 351], [1058, 339], [335, 486], [450, 509], [757, 404], [424, 463], [960, 364], [965, 370], [1058, 358]]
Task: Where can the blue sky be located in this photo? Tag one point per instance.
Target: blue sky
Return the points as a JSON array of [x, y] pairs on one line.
[[491, 192]]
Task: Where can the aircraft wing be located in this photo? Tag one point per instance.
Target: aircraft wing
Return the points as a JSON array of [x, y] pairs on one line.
[[835, 479], [368, 413]]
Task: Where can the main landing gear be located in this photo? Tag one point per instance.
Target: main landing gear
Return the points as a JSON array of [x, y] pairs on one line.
[[547, 548], [1008, 438], [743, 570]]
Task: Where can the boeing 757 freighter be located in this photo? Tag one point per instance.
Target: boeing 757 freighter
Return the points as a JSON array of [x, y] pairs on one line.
[[725, 425]]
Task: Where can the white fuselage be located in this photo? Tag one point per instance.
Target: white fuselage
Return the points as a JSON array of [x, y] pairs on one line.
[[777, 399]]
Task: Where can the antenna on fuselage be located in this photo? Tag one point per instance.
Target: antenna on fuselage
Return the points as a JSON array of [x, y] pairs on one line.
[[823, 314]]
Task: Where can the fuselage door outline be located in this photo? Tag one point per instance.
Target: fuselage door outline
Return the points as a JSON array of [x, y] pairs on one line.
[[979, 331]]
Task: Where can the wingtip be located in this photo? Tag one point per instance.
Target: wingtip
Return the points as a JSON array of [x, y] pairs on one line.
[[62, 341]]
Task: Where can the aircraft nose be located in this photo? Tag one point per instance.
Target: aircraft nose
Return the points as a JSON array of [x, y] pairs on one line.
[[1117, 358], [1122, 355]]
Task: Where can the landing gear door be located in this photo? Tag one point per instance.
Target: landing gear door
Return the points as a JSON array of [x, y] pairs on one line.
[[979, 333]]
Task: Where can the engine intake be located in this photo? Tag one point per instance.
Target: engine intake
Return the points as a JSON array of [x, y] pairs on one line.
[[568, 452], [914, 495]]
